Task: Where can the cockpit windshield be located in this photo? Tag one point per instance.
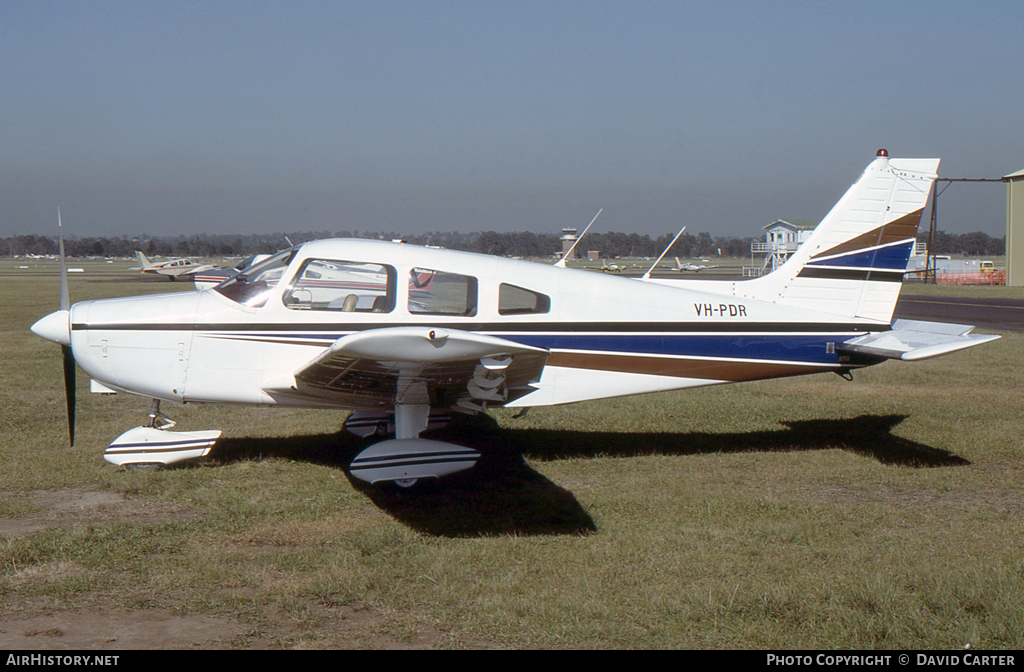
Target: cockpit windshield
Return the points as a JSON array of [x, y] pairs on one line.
[[252, 287]]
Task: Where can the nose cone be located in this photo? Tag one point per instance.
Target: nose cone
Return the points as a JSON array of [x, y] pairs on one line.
[[55, 327]]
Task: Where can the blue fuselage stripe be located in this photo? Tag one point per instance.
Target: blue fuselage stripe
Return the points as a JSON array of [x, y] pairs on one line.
[[802, 348], [775, 347]]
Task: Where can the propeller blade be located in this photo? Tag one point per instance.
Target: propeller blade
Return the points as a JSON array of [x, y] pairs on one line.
[[69, 389], [69, 355]]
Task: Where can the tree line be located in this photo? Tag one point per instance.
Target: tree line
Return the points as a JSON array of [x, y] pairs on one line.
[[975, 244], [523, 244]]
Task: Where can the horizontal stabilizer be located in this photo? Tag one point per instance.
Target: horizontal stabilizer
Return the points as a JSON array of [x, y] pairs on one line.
[[911, 340]]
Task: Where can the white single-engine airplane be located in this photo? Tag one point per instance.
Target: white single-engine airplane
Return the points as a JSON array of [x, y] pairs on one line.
[[696, 268], [395, 331], [172, 268], [613, 268]]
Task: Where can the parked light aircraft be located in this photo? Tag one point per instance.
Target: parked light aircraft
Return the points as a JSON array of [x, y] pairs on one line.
[[695, 268], [172, 268], [397, 331], [612, 268]]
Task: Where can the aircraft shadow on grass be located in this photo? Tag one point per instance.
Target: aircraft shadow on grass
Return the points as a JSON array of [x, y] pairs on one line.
[[503, 495]]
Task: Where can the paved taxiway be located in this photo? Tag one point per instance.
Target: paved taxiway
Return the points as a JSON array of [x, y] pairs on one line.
[[995, 314], [984, 313]]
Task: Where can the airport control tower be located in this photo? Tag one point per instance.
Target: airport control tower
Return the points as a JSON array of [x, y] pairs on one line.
[[568, 238]]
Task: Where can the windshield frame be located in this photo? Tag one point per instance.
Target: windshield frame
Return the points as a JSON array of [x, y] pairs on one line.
[[253, 287]]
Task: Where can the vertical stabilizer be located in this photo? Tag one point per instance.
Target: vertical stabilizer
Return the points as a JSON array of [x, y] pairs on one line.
[[853, 263]]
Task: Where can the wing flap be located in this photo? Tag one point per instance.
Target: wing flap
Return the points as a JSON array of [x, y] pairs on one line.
[[912, 340]]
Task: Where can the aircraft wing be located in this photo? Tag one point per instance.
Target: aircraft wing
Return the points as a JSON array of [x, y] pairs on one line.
[[445, 368], [912, 340]]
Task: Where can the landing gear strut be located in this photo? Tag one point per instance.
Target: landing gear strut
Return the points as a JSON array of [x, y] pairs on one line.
[[158, 420]]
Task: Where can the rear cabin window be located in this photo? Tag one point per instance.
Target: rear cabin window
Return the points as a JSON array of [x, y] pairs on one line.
[[514, 300], [345, 286], [440, 293]]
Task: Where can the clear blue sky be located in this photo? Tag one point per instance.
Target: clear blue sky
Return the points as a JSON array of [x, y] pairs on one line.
[[230, 117]]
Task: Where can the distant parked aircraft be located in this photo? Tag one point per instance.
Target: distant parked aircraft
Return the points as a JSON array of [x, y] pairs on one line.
[[172, 268], [696, 268], [612, 268]]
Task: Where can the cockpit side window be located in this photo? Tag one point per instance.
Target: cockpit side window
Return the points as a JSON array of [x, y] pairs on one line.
[[252, 287], [514, 300], [346, 286], [440, 293]]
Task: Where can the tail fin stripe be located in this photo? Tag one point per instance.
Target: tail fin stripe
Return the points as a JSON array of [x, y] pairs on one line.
[[895, 231], [891, 257], [861, 275]]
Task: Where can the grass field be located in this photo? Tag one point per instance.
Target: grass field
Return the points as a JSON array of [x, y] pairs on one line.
[[886, 512]]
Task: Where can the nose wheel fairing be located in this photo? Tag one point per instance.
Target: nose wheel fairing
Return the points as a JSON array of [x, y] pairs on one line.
[[149, 445], [152, 444]]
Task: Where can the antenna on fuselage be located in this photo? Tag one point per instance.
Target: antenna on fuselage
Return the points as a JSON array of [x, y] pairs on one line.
[[561, 262], [648, 273]]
